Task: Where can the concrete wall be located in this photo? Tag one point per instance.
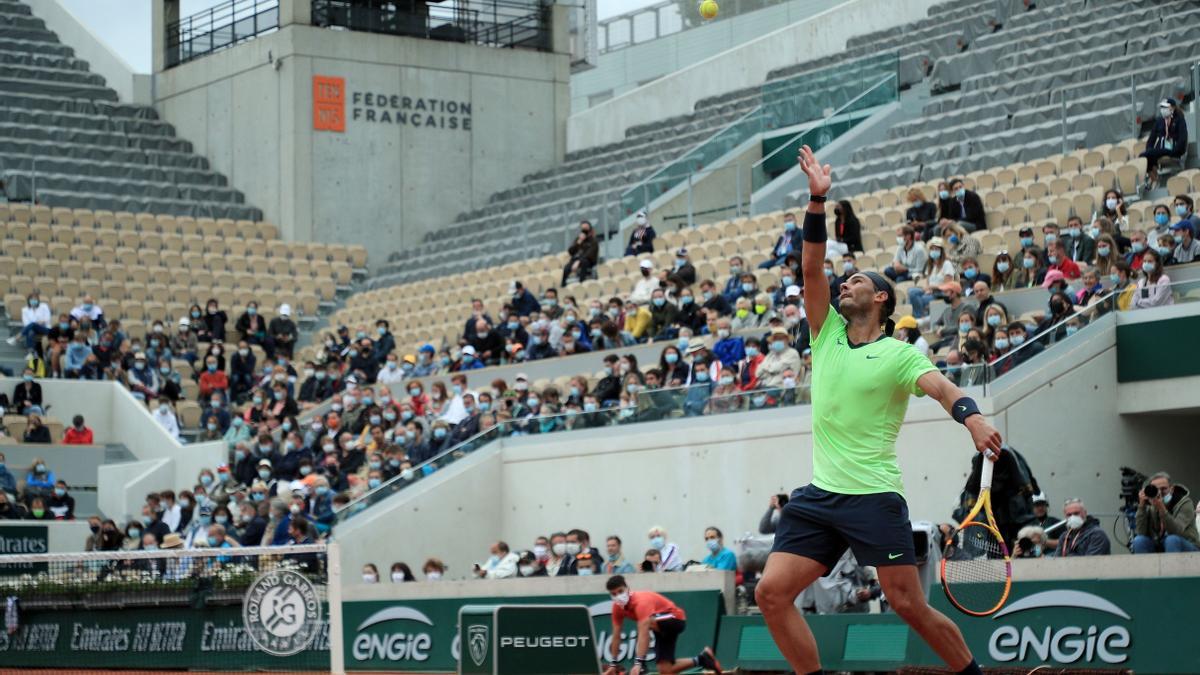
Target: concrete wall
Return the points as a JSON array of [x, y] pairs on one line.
[[622, 70], [686, 475], [129, 483], [130, 87], [65, 536], [249, 109], [115, 416], [745, 65]]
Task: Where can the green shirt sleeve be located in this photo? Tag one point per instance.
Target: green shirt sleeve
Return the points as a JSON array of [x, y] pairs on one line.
[[833, 327], [913, 364]]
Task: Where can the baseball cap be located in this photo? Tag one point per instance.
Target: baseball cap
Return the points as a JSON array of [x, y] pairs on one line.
[[427, 348], [1053, 276], [264, 462], [285, 309], [792, 291], [907, 322], [409, 358], [938, 241], [682, 251], [468, 349], [522, 376], [646, 264], [185, 321]]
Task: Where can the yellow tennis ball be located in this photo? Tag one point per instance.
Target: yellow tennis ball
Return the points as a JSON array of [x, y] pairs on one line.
[[708, 9]]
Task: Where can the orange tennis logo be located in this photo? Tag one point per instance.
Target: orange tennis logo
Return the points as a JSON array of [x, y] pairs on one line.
[[329, 103]]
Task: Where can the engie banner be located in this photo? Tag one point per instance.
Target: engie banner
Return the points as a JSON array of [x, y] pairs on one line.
[[422, 634]]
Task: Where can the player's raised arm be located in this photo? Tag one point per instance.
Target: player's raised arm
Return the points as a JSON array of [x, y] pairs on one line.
[[816, 287], [964, 411]]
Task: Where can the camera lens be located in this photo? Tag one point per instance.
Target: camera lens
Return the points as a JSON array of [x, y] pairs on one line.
[[1151, 491]]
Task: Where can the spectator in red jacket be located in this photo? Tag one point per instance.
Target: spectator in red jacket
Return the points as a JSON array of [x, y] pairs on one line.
[[78, 434], [1059, 260], [212, 379]]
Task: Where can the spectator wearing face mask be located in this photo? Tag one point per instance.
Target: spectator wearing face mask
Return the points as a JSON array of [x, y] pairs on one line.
[[523, 302], [747, 368], [27, 395], [725, 395], [683, 274], [936, 273], [962, 206], [1084, 535], [847, 231], [1187, 248], [780, 358], [584, 254], [559, 563], [35, 322], [963, 246], [1168, 138], [1017, 337], [252, 328], [907, 331], [1079, 246], [788, 242], [641, 239], [1060, 260], [1031, 542], [283, 332], [644, 288], [1166, 518], [669, 552], [718, 557], [165, 417], [728, 349], [1153, 286], [733, 286], [910, 256]]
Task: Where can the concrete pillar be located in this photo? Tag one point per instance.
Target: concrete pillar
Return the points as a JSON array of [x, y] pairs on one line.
[[560, 30], [295, 12], [162, 14]]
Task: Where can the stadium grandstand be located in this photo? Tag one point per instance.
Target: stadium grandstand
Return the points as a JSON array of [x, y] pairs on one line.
[[349, 291]]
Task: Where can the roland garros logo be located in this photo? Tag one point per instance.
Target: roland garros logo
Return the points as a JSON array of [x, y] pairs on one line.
[[282, 612]]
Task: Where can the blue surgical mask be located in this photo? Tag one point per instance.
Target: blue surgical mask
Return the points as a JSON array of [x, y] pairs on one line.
[[686, 300], [702, 375], [1181, 210], [964, 327], [778, 346], [439, 433], [954, 239], [589, 407], [993, 320], [1002, 266], [747, 287], [970, 273], [960, 193], [658, 542], [1161, 219], [943, 194], [751, 352], [1026, 242], [659, 302], [671, 358], [789, 225], [828, 272], [682, 343], [373, 483], [1018, 340], [713, 545], [1071, 330], [1028, 263]]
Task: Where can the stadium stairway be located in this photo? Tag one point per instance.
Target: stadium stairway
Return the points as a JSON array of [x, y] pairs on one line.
[[66, 140], [535, 217]]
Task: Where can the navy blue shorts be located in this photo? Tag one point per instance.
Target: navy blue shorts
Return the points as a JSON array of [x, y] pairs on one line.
[[820, 525], [666, 635]]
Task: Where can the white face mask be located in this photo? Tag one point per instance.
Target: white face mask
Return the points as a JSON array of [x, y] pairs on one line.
[[526, 570], [1074, 522], [370, 578], [433, 575], [559, 549], [397, 577], [621, 598]]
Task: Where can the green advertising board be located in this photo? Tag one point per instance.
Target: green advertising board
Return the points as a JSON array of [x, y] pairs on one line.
[[1134, 624], [527, 640], [421, 635], [160, 638], [23, 540]]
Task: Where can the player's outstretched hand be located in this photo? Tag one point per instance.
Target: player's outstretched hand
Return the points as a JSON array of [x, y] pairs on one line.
[[987, 439], [819, 177]]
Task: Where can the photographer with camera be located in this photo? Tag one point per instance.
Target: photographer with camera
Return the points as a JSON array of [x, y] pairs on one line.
[[1043, 519], [1031, 542], [1166, 518]]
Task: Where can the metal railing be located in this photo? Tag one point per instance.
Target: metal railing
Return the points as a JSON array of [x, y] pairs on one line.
[[782, 103], [648, 406], [221, 26], [833, 125], [514, 24], [666, 18]]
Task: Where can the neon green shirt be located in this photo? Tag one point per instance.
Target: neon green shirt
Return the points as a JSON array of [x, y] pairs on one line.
[[860, 395]]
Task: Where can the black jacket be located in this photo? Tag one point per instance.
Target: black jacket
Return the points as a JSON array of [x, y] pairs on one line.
[[1177, 134], [1013, 487], [282, 326], [717, 304], [40, 434], [213, 329], [587, 251], [924, 214], [641, 240], [252, 328], [253, 531], [1087, 540], [607, 389], [26, 393], [970, 209]]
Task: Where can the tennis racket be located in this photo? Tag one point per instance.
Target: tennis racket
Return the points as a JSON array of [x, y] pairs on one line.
[[976, 567]]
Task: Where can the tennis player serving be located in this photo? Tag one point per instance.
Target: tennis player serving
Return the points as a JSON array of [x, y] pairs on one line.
[[861, 383]]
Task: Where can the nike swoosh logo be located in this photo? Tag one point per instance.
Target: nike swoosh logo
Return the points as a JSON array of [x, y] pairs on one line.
[[871, 357], [840, 342], [893, 556], [962, 408]]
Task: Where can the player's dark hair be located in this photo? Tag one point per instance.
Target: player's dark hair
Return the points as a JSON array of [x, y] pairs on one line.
[[614, 582], [714, 528], [613, 537]]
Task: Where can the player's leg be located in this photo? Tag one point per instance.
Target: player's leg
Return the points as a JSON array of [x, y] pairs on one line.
[[666, 637], [902, 587], [785, 576]]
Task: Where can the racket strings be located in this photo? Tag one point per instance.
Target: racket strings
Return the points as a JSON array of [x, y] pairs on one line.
[[976, 573]]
